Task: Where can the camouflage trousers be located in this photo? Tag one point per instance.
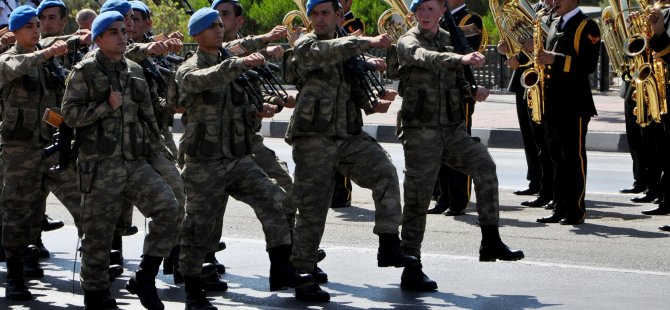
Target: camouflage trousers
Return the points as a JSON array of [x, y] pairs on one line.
[[361, 159], [26, 185], [113, 182], [207, 184], [167, 169], [425, 149]]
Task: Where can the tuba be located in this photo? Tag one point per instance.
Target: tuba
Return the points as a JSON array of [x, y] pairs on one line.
[[647, 72], [615, 33], [533, 79], [514, 19], [396, 20], [298, 18]]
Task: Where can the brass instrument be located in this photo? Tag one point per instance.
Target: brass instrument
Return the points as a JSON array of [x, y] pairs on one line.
[[485, 40], [615, 33], [533, 79], [514, 19], [648, 73], [396, 20], [297, 18]]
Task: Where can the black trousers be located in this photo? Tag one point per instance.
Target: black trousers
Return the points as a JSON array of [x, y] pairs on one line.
[[566, 138], [665, 180], [528, 132]]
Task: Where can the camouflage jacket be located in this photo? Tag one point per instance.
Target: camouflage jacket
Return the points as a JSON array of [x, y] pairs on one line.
[[324, 106], [73, 48], [128, 132], [26, 93], [219, 124], [432, 83]]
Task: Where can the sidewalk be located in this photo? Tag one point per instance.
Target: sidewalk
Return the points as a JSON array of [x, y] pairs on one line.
[[494, 121]]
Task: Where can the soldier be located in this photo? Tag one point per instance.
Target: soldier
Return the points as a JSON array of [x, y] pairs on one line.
[[26, 95], [660, 43], [432, 131], [217, 145], [455, 187], [572, 51], [107, 101], [326, 134]]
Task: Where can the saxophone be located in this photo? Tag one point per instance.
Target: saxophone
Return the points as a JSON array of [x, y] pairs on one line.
[[533, 79], [648, 73]]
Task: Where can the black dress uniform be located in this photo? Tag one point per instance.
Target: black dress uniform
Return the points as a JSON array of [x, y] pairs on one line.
[[661, 45], [568, 109], [455, 187], [342, 191]]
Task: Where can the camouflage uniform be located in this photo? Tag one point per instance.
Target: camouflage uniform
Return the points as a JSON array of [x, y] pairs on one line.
[[115, 145], [326, 134], [216, 144], [432, 130], [27, 91]]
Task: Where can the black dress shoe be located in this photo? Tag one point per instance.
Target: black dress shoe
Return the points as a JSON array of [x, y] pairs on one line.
[[635, 189], [660, 210], [49, 224], [647, 197], [438, 208], [527, 191], [553, 218], [665, 228], [454, 212], [538, 202], [571, 221], [550, 206], [131, 230]]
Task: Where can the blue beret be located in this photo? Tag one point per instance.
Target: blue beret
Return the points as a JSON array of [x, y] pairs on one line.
[[217, 2], [49, 4], [21, 16], [103, 21], [140, 6], [312, 3], [201, 20], [415, 5], [121, 6]]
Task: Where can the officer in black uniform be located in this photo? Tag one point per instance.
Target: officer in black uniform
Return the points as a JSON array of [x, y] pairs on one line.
[[660, 43], [454, 186], [571, 54], [342, 191]]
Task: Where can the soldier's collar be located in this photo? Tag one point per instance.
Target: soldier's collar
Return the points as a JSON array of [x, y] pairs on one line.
[[109, 64], [21, 50], [209, 59], [428, 34]]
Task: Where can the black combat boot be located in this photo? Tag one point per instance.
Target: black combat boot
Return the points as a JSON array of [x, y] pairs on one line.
[[3, 255], [311, 293], [414, 279], [493, 248], [282, 272], [42, 250], [211, 281], [195, 295], [49, 224], [99, 299], [16, 288], [319, 275], [210, 258], [390, 254], [171, 261], [143, 282], [31, 264], [116, 255]]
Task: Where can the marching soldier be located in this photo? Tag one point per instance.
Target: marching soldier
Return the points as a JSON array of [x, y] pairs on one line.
[[326, 134], [108, 102], [466, 29], [217, 145], [571, 54], [660, 43], [432, 131]]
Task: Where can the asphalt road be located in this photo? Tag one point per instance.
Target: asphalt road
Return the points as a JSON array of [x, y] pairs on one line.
[[617, 260]]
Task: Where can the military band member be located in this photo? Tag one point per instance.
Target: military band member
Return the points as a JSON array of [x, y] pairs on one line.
[[571, 54], [351, 23], [217, 145], [326, 134], [660, 43], [108, 102], [25, 96], [432, 131]]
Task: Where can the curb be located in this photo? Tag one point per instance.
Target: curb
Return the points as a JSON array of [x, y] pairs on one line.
[[491, 137]]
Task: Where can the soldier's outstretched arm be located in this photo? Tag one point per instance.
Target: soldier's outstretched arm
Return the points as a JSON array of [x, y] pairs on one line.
[[314, 54], [78, 109], [192, 80], [15, 66], [411, 53]]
